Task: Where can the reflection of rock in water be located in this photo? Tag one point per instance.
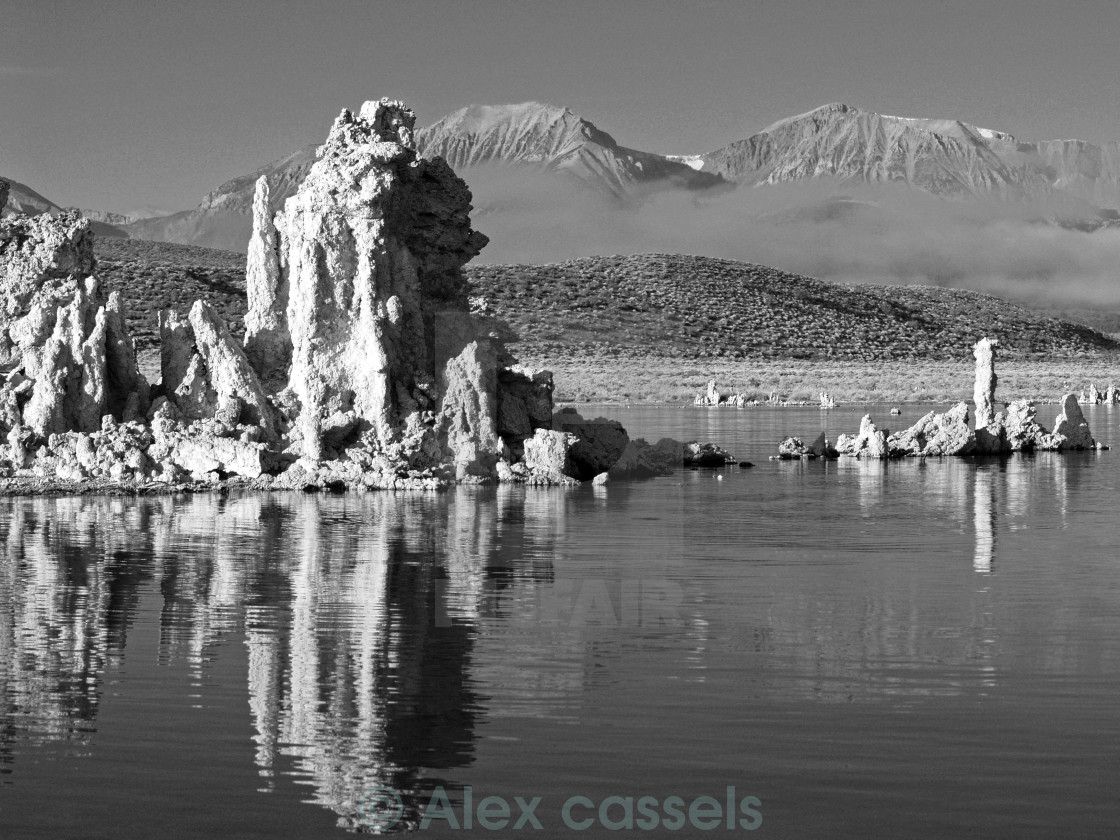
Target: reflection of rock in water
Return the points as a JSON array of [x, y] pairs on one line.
[[360, 614], [984, 518], [68, 590], [354, 681]]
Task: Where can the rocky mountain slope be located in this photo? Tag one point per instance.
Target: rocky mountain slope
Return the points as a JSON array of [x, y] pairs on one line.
[[553, 139], [538, 137], [654, 304], [947, 158], [1078, 181], [23, 199], [224, 218]]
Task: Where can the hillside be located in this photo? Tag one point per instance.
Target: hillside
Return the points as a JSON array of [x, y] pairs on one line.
[[654, 304], [160, 275], [699, 307], [224, 218]]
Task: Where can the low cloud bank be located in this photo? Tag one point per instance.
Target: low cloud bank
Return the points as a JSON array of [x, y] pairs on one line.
[[841, 232]]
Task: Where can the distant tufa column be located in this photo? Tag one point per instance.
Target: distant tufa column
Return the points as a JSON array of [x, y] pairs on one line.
[[984, 391], [268, 343]]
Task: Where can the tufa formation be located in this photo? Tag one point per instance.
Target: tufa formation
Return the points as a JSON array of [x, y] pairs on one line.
[[948, 433], [362, 363]]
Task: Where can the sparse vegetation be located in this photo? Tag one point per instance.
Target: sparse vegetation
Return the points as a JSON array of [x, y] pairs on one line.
[[702, 308], [660, 379], [162, 275], [657, 327]]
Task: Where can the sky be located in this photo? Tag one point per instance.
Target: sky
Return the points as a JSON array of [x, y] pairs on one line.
[[140, 105]]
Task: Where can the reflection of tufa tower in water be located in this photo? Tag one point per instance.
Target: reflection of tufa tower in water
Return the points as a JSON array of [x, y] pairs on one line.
[[359, 615], [67, 595]]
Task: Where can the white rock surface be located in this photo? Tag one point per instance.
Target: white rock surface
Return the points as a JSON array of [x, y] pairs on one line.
[[1072, 426], [268, 343], [371, 248], [984, 388]]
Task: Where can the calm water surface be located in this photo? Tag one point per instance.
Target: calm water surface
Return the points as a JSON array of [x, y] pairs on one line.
[[904, 650]]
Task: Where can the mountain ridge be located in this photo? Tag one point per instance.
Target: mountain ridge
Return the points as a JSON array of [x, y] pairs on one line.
[[944, 157]]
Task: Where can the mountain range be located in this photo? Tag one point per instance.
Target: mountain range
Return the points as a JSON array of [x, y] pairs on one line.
[[1077, 182]]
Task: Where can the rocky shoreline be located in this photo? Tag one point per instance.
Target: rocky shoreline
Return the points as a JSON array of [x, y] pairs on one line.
[[363, 365], [948, 433]]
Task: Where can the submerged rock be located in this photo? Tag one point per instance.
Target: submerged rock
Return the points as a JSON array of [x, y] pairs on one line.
[[793, 448], [703, 454]]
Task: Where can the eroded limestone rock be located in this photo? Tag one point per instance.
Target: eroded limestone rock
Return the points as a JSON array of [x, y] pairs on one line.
[[67, 354], [469, 410], [524, 402], [949, 433], [791, 448], [547, 453], [599, 443], [43, 259], [268, 342], [206, 373], [363, 364], [1021, 431], [371, 248], [869, 443], [1071, 425], [984, 388]]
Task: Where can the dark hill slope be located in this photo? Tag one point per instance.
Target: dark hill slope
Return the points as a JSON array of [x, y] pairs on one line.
[[696, 306], [161, 275], [652, 305]]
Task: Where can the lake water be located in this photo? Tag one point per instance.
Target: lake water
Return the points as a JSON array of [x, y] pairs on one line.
[[901, 650]]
